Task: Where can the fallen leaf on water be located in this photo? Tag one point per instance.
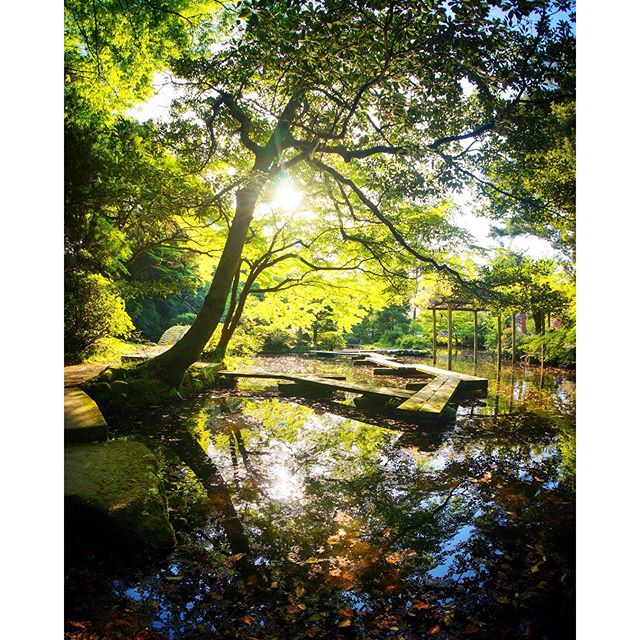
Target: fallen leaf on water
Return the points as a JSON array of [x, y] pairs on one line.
[[345, 623], [342, 518], [345, 612], [292, 609], [302, 606], [247, 619], [434, 629], [299, 591], [274, 584], [237, 556], [421, 605]]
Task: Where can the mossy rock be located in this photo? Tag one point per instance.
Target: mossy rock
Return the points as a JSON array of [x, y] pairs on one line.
[[121, 387], [114, 493]]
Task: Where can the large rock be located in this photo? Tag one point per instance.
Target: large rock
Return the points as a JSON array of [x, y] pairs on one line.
[[112, 491], [83, 421], [173, 334]]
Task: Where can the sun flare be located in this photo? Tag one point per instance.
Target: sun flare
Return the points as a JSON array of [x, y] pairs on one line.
[[287, 197]]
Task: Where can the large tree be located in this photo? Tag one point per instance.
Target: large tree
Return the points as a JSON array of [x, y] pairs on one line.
[[412, 90]]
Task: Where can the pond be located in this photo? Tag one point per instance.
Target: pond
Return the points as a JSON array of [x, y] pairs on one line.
[[310, 519]]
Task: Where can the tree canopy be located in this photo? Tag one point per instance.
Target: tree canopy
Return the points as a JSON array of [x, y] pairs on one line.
[[375, 113]]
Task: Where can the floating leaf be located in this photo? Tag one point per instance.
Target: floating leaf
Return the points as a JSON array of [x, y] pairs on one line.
[[345, 612], [345, 623], [247, 619], [299, 591]]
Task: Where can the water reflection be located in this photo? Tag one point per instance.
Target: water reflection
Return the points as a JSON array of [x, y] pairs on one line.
[[359, 528]]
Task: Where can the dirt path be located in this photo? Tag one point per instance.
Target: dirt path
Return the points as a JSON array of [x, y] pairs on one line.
[[77, 373]]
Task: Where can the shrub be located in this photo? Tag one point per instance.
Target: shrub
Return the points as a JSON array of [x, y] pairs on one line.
[[413, 342], [559, 346], [184, 319], [330, 341], [93, 310], [275, 340], [390, 337]]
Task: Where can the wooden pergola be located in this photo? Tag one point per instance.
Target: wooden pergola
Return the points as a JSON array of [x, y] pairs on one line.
[[453, 304]]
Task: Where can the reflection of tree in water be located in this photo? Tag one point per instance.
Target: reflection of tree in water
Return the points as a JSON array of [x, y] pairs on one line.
[[461, 530]]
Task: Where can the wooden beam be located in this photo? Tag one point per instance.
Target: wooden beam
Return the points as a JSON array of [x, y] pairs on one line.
[[433, 397], [449, 337], [435, 335], [475, 337], [499, 341], [513, 338]]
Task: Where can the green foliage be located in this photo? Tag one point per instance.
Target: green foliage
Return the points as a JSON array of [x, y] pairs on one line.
[[113, 48], [535, 286], [413, 342], [559, 346], [93, 310], [275, 340], [538, 165], [184, 318], [330, 341]]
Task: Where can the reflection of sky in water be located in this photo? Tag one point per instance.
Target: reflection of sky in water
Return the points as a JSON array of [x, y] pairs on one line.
[[442, 570]]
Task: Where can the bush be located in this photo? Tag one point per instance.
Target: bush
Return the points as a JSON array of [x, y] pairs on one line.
[[559, 346], [330, 341], [275, 340], [413, 342], [184, 319], [390, 337], [93, 310]]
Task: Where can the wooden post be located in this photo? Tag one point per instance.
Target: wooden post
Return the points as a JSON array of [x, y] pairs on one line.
[[511, 385], [434, 337], [499, 341], [513, 338], [475, 336], [449, 337]]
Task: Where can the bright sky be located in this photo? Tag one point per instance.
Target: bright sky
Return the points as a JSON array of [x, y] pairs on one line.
[[529, 245]]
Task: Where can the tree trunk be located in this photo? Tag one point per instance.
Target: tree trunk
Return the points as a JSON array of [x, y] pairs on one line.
[[230, 327], [538, 319], [171, 365], [523, 323]]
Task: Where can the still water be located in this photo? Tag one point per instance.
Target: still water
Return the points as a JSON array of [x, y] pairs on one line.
[[310, 519]]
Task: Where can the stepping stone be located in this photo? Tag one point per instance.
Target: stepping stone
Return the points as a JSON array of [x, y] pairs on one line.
[[113, 494], [83, 421]]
